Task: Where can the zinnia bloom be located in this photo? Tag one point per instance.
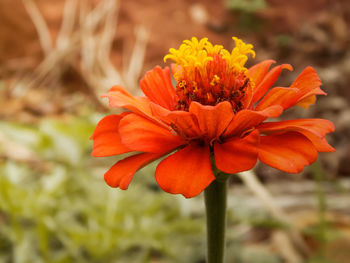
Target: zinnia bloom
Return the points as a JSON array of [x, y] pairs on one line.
[[215, 115]]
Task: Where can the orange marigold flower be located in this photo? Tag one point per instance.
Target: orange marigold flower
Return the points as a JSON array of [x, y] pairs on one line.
[[217, 110]]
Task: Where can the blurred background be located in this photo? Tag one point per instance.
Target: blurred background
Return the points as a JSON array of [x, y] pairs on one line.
[[57, 57]]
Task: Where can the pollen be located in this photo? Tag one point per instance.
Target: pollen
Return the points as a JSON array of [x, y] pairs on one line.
[[210, 74], [215, 80]]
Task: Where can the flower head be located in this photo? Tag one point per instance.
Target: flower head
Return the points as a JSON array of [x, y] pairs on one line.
[[216, 111], [210, 74]]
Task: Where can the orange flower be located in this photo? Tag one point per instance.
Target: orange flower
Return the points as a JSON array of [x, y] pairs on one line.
[[216, 111]]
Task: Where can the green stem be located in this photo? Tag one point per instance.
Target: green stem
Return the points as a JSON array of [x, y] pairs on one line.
[[215, 203]]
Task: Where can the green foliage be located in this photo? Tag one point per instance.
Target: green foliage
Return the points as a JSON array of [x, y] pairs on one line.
[[262, 220], [322, 231], [60, 210], [284, 40], [246, 254], [245, 12], [247, 6]]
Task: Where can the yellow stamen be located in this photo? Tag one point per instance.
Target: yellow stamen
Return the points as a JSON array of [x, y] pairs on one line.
[[215, 80], [209, 74], [196, 54], [182, 84]]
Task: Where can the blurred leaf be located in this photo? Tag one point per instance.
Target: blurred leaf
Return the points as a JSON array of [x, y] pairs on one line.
[[65, 213], [248, 6]]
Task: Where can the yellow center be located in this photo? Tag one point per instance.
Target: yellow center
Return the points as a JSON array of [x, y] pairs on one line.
[[210, 74]]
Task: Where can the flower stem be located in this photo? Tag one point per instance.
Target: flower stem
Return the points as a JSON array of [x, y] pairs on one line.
[[215, 203]]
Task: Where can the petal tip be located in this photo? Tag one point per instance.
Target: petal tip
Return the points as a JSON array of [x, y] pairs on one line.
[[288, 67]]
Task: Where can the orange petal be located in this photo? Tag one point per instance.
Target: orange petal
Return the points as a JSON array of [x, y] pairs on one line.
[[237, 154], [309, 98], [276, 96], [248, 119], [258, 71], [307, 102], [120, 98], [212, 120], [320, 143], [141, 134], [268, 81], [289, 152], [123, 171], [107, 138], [156, 85], [307, 80], [302, 91], [183, 123], [315, 91], [319, 127], [187, 172], [314, 129], [306, 84]]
